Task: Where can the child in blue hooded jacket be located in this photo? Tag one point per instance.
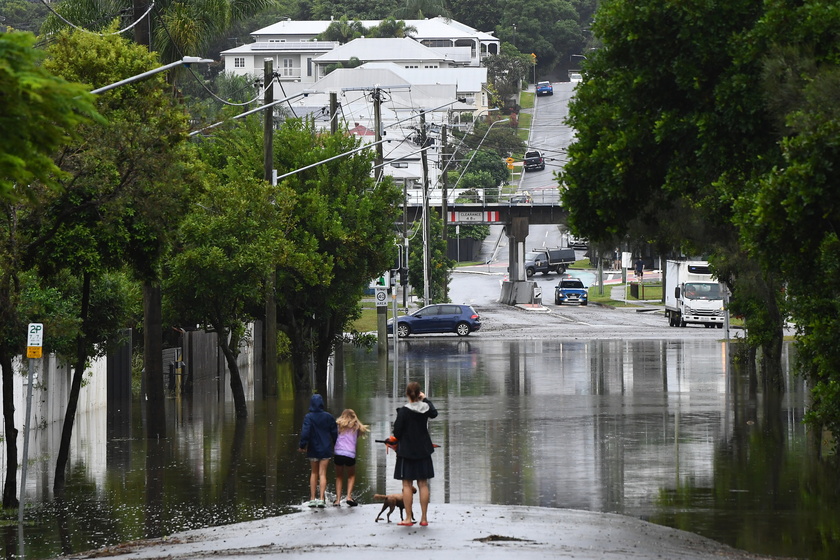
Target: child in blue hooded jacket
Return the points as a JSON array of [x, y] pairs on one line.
[[317, 439]]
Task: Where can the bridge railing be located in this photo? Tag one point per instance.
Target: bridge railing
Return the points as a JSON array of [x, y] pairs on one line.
[[547, 195]]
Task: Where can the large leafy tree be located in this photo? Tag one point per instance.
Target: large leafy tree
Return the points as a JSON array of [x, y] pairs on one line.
[[120, 188], [233, 237], [41, 111], [671, 126], [346, 223], [790, 221]]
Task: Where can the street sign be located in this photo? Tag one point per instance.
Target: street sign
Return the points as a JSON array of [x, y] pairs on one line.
[[381, 297], [34, 340], [509, 161], [35, 334]]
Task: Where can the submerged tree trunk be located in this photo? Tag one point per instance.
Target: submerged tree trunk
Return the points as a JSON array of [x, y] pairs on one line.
[[10, 487], [75, 388], [229, 345], [153, 362]]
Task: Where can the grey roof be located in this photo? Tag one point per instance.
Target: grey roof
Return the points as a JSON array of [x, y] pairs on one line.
[[467, 79], [368, 50]]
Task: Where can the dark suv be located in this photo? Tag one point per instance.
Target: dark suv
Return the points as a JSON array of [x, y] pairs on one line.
[[438, 318], [534, 160]]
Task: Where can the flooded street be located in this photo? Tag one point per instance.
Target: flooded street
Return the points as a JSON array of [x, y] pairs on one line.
[[652, 429]]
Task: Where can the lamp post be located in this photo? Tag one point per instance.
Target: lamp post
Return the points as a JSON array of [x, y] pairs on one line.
[[186, 61]]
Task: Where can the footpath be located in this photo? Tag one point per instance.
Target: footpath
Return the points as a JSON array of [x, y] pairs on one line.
[[454, 533]]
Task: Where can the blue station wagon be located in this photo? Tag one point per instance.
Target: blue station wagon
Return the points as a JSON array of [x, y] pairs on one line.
[[438, 318]]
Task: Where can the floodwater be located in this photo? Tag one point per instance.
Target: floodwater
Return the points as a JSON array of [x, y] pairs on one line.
[[657, 430]]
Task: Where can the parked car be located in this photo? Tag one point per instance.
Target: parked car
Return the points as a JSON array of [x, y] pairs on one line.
[[545, 88], [438, 318], [533, 160], [575, 77], [571, 290]]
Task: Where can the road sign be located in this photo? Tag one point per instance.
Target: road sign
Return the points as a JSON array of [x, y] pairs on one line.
[[381, 297], [35, 334], [34, 340], [509, 161]]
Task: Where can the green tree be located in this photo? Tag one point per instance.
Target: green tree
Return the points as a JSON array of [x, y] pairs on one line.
[[422, 9], [551, 29], [789, 221], [354, 9], [343, 30], [505, 73], [671, 123], [391, 28], [41, 111], [440, 266], [122, 186], [345, 224], [235, 235]]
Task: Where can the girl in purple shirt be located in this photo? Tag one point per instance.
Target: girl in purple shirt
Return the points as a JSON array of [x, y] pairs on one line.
[[349, 430]]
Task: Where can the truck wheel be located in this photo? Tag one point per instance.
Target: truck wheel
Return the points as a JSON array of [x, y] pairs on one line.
[[529, 272], [561, 270], [462, 329], [681, 322]]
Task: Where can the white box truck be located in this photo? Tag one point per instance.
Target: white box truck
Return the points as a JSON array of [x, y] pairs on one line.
[[692, 295]]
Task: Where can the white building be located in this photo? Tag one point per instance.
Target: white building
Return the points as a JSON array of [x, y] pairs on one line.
[[293, 48]]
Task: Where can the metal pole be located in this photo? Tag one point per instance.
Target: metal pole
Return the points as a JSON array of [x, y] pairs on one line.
[[270, 327], [22, 501], [426, 233]]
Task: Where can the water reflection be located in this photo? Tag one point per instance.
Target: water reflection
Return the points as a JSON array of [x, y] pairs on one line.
[[651, 429]]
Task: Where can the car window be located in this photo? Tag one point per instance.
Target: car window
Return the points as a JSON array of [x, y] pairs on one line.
[[427, 311], [532, 154], [571, 284]]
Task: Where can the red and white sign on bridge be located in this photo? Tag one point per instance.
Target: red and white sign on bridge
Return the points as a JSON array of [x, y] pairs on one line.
[[475, 217]]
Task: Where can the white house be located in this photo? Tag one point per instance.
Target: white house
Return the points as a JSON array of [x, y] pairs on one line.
[[293, 48]]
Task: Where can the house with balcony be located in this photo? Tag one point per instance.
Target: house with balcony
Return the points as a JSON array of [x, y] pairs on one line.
[[293, 47]]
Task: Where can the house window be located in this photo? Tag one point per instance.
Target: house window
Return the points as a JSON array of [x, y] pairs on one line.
[[431, 66], [412, 66], [308, 66], [288, 67], [239, 62]]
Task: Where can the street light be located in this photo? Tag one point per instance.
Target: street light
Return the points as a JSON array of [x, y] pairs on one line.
[[186, 61]]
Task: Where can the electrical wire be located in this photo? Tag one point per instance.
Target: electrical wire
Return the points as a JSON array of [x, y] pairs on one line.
[[76, 27]]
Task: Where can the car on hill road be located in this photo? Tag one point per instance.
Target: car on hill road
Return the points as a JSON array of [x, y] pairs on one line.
[[545, 88]]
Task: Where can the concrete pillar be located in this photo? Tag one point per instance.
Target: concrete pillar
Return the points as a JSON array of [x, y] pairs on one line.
[[517, 289]]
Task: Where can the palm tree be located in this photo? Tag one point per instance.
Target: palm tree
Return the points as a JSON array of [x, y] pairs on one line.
[[391, 28], [343, 31]]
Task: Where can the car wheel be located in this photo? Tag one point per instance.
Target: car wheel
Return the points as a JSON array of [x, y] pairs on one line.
[[585, 303], [529, 272], [462, 329], [403, 330]]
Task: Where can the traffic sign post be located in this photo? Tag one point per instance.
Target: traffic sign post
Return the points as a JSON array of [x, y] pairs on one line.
[[34, 344], [381, 297]]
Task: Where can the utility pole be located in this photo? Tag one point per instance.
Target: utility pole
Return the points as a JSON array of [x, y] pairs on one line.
[[426, 227], [333, 112], [381, 311], [376, 95], [444, 166], [270, 328]]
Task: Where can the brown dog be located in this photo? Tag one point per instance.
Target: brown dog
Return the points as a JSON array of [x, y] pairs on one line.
[[391, 501]]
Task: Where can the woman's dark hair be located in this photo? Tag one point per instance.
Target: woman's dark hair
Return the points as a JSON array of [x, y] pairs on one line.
[[412, 391]]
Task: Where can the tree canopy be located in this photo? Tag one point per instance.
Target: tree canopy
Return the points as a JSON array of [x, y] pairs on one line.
[[710, 129]]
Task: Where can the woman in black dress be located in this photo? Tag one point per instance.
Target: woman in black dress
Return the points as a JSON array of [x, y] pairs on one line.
[[414, 450]]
